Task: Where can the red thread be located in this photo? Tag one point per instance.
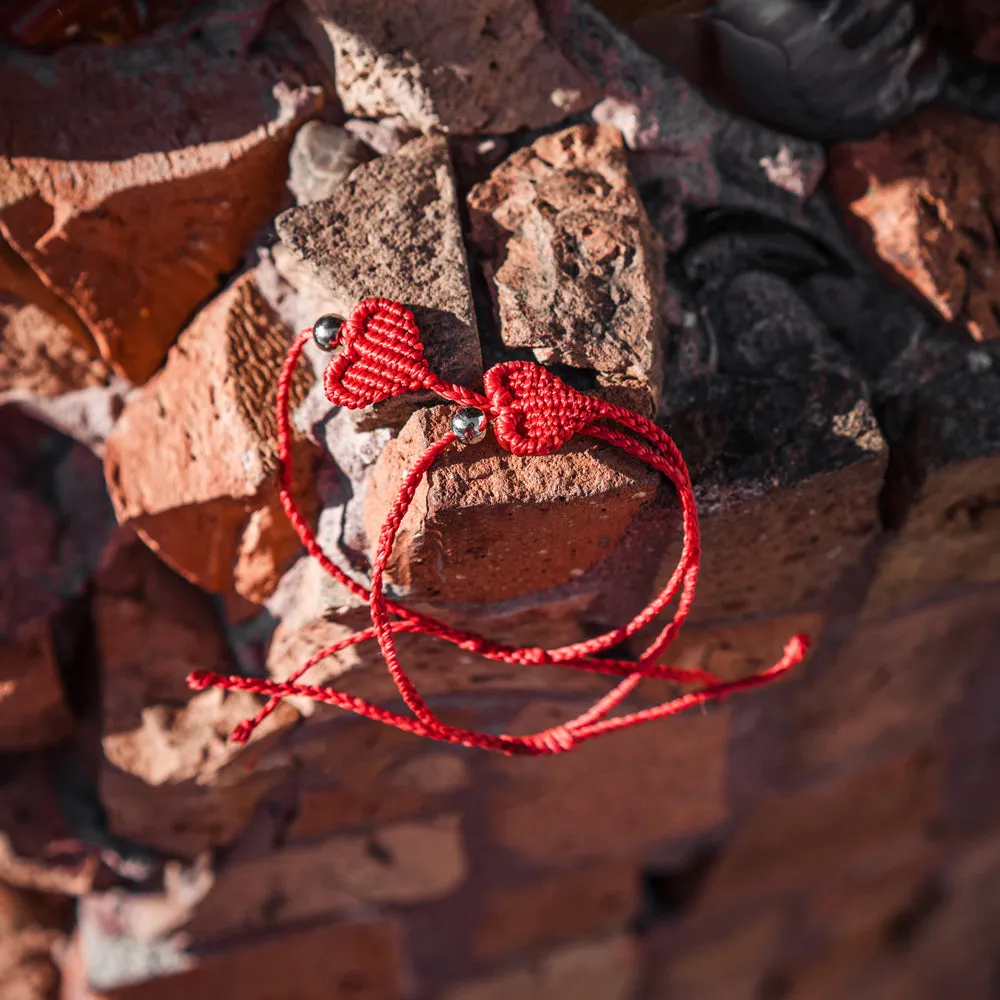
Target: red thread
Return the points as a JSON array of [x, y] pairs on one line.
[[533, 413]]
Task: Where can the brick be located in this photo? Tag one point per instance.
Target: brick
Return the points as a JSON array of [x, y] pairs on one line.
[[33, 709], [729, 964], [556, 810], [38, 850], [32, 934], [414, 786], [56, 519], [488, 526], [892, 680], [192, 464], [91, 182], [784, 552], [170, 777], [477, 69], [919, 198], [392, 229], [607, 969], [336, 961], [734, 649], [39, 355], [787, 477], [954, 947], [555, 907], [568, 249], [402, 863], [319, 618], [794, 840], [107, 202], [939, 400]]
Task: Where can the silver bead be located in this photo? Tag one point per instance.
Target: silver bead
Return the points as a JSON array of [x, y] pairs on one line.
[[326, 331], [469, 425]]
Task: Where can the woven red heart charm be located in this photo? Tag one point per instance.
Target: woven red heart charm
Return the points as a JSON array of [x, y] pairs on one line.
[[381, 356], [536, 413]]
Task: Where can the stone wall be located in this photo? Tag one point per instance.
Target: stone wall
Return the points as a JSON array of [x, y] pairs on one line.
[[818, 338]]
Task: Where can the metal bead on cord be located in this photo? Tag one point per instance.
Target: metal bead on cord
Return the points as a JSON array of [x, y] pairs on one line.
[[532, 412]]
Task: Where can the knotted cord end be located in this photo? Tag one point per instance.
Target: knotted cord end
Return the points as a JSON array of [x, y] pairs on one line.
[[201, 680]]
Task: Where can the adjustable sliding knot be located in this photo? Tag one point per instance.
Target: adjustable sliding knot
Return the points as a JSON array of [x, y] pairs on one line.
[[559, 739], [533, 413]]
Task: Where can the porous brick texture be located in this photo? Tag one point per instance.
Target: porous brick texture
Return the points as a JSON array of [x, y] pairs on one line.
[[537, 186]]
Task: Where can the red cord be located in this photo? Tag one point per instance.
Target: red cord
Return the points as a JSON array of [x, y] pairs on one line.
[[533, 413]]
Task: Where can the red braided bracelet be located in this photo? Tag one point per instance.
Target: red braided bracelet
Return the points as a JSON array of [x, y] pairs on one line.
[[533, 413]]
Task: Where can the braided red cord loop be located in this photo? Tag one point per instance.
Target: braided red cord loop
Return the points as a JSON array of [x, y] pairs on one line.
[[533, 413]]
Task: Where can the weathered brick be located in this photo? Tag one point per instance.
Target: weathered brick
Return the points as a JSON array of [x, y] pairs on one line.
[[787, 474], [555, 907], [410, 786], [33, 709], [797, 839], [556, 810], [410, 862], [920, 199], [393, 230], [320, 617], [56, 519], [954, 947], [607, 969], [940, 404], [39, 355], [32, 935], [727, 963], [106, 198], [477, 68], [38, 850], [170, 777], [568, 251], [892, 680], [192, 464], [488, 526]]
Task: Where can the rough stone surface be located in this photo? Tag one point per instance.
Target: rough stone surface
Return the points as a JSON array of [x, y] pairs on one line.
[[38, 849], [940, 409], [321, 159], [892, 680], [192, 464], [32, 935], [393, 777], [405, 863], [562, 906], [56, 519], [730, 964], [605, 968], [575, 267], [784, 551], [676, 788], [777, 428], [880, 809], [33, 710], [392, 229], [336, 961], [39, 355], [170, 776], [485, 66], [486, 525], [923, 199], [728, 649], [133, 206]]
